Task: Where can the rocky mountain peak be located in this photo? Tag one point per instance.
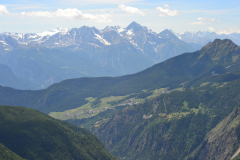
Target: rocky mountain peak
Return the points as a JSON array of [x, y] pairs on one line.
[[135, 27], [168, 35]]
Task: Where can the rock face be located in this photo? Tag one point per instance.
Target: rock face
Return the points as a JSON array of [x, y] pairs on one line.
[[222, 142]]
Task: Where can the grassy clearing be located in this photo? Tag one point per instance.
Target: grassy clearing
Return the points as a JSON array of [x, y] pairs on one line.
[[89, 110], [186, 111], [86, 110], [204, 84], [178, 89], [156, 93]]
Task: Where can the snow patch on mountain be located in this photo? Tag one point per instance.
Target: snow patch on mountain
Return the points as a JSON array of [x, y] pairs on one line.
[[101, 39], [151, 42], [53, 32], [120, 30], [133, 43], [3, 42], [130, 33]]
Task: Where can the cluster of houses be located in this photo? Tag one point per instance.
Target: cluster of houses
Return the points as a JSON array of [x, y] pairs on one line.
[[163, 92], [91, 112], [129, 103]]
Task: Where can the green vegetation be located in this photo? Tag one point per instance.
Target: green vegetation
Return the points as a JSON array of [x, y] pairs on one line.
[[34, 135], [88, 110], [6, 154], [177, 128]]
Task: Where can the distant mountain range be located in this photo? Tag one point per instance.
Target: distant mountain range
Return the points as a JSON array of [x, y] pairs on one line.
[[202, 38], [52, 56]]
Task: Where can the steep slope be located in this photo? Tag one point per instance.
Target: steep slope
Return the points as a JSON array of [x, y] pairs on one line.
[[34, 135], [47, 66], [222, 142], [173, 73], [167, 34], [160, 46], [8, 78], [171, 48], [173, 125], [5, 153]]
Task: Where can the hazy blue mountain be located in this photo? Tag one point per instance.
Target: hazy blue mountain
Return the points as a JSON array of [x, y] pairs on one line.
[[167, 34], [135, 27], [45, 66], [8, 78], [203, 37]]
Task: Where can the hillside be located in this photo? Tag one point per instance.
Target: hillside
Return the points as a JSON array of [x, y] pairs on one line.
[[34, 135], [44, 66], [177, 125], [222, 142], [8, 78], [5, 153], [182, 70]]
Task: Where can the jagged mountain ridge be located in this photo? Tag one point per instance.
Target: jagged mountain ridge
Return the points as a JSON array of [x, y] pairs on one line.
[[76, 37], [203, 37]]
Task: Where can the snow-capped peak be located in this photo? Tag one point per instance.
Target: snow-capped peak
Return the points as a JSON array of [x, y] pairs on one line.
[[114, 28], [52, 32]]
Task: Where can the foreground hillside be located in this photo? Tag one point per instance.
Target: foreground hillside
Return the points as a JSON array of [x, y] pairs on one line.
[[30, 134], [5, 153]]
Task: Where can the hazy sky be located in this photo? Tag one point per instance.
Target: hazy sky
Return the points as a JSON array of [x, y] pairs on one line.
[[28, 16]]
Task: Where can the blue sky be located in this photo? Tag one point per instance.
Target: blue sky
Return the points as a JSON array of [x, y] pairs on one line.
[[29, 16]]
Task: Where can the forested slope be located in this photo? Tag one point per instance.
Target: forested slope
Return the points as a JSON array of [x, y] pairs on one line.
[[34, 135]]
